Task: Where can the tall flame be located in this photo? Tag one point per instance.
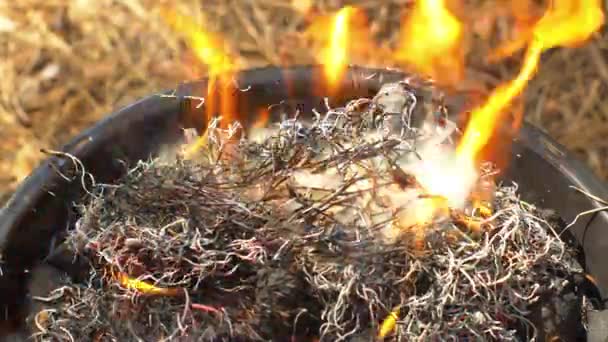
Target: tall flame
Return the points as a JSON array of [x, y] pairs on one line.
[[566, 23], [207, 47], [335, 54], [210, 50], [431, 42], [337, 40], [483, 120], [569, 23]]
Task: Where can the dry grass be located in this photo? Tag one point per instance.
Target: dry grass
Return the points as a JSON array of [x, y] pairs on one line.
[[66, 63]]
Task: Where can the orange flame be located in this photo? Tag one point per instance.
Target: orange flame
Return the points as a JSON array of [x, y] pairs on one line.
[[262, 118], [207, 47], [211, 51], [338, 39], [484, 119], [431, 42], [428, 38], [566, 23], [335, 55]]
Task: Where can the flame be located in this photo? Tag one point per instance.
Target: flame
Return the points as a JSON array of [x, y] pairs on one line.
[[338, 39], [262, 118], [525, 15], [389, 323], [210, 50], [566, 23], [335, 55], [569, 23], [431, 42], [143, 287], [483, 120]]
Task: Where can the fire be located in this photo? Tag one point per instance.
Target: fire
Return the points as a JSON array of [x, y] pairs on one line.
[[484, 119], [335, 55], [143, 287], [569, 23], [388, 325], [262, 118], [337, 40], [566, 23], [210, 50], [431, 42]]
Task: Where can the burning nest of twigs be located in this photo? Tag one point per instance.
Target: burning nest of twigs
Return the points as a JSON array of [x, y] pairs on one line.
[[312, 230]]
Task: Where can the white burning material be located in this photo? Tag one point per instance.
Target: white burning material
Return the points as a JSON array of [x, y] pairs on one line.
[[364, 147], [439, 170], [430, 158]]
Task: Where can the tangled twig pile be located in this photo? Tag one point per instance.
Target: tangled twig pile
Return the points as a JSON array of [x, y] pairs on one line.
[[311, 230]]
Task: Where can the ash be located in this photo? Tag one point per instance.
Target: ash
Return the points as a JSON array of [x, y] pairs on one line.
[[303, 231]]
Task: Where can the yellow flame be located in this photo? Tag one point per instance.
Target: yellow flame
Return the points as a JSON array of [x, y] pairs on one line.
[[210, 50], [432, 34], [207, 47], [566, 23], [335, 55], [484, 119], [569, 23], [431, 42], [388, 325], [144, 287], [196, 146], [339, 39]]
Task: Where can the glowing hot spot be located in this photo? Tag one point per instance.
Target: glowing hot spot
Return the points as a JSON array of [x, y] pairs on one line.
[[441, 173]]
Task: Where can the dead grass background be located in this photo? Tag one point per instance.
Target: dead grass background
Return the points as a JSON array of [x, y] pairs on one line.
[[66, 63]]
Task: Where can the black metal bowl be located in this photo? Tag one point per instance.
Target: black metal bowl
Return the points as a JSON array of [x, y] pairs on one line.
[[42, 207]]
